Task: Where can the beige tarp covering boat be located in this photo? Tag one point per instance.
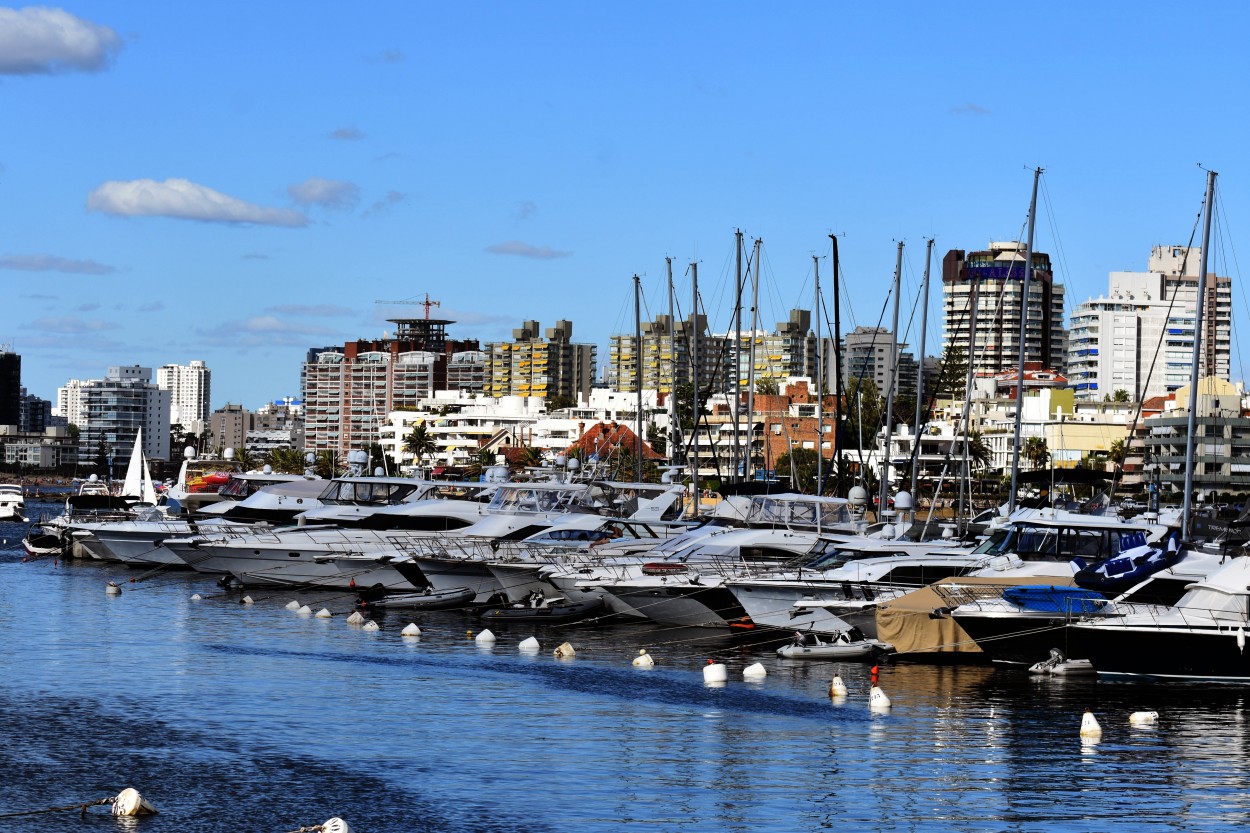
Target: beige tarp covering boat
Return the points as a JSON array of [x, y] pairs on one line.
[[906, 623]]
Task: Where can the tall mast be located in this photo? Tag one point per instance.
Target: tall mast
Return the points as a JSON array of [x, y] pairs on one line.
[[1187, 506], [965, 481], [924, 326], [838, 382], [1024, 328], [739, 470], [890, 386], [674, 429], [820, 383], [755, 314], [638, 375], [694, 353]]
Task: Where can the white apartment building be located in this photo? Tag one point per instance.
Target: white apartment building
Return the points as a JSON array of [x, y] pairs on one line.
[[113, 409], [190, 388], [1141, 337]]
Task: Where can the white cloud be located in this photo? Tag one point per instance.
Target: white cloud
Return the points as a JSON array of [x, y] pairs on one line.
[[970, 109], [526, 210], [70, 325], [328, 193], [152, 306], [52, 263], [262, 331], [521, 249], [185, 200], [392, 199], [350, 133], [41, 41], [310, 309]]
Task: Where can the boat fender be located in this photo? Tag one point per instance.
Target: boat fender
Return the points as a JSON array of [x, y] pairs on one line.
[[755, 671], [1143, 718], [355, 618], [128, 802], [878, 701], [324, 613], [1241, 640], [529, 645], [1090, 728], [411, 630], [371, 627], [837, 688], [643, 660], [484, 638], [715, 672], [565, 651]]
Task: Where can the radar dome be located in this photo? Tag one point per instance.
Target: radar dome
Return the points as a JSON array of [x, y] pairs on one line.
[[858, 495]]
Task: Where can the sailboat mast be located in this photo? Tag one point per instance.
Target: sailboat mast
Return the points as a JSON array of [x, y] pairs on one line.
[[674, 429], [638, 376], [694, 358], [1187, 507], [838, 386], [820, 382], [755, 314], [739, 470], [1024, 328], [924, 327], [965, 479], [890, 386]]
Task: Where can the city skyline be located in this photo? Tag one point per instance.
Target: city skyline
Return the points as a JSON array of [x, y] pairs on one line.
[[239, 186]]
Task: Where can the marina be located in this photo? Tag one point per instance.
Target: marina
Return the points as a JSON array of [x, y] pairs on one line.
[[251, 715]]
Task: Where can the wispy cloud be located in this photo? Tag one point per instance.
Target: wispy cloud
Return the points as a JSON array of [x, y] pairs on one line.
[[262, 331], [41, 41], [387, 56], [525, 210], [52, 263], [350, 133], [91, 307], [314, 310], [334, 194], [153, 306], [35, 296], [970, 109], [521, 249], [70, 325], [256, 256], [185, 200], [386, 202]]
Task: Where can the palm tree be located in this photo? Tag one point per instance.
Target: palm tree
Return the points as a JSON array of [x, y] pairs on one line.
[[1117, 452], [979, 454], [286, 460], [1121, 395], [419, 443], [1036, 452]]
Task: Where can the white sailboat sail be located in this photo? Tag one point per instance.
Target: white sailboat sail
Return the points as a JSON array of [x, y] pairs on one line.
[[149, 492], [133, 484]]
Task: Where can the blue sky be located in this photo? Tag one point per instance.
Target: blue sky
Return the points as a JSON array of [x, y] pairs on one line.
[[236, 182]]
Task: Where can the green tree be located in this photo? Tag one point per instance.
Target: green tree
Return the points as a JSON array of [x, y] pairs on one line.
[[863, 410], [766, 386], [656, 439], [683, 404], [286, 460], [953, 379], [1036, 452], [979, 454], [327, 464], [246, 459], [1117, 452], [419, 442], [1120, 395], [101, 458], [560, 403], [798, 466]]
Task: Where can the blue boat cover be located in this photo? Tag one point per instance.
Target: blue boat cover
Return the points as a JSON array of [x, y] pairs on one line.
[[1049, 598]]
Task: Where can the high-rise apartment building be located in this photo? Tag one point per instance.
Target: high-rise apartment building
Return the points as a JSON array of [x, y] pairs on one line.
[[867, 354], [110, 411], [1140, 337], [531, 365], [10, 387], [190, 388], [997, 276]]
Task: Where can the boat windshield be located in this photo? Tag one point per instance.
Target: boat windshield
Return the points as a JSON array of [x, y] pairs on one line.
[[244, 486], [532, 499], [363, 492], [1060, 543], [789, 512], [829, 555]]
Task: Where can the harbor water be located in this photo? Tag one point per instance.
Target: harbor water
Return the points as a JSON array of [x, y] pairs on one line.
[[233, 717]]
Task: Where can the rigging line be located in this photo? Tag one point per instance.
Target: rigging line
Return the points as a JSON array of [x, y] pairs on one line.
[[1228, 246]]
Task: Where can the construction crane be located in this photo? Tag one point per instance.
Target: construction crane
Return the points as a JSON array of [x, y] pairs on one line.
[[427, 303]]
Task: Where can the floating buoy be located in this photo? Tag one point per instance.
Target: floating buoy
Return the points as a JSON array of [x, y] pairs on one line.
[[112, 589], [643, 660], [324, 613], [564, 651], [293, 605], [755, 671], [195, 597], [1241, 640], [371, 626], [411, 630], [1143, 718], [355, 618], [335, 825], [1089, 726], [246, 600], [715, 672], [837, 688], [304, 610], [877, 701], [129, 803], [485, 637], [530, 645]]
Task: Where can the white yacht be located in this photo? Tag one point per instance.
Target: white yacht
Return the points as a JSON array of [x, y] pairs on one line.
[[12, 503]]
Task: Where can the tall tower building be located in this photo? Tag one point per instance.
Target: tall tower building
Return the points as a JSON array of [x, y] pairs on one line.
[[998, 276], [1140, 337], [190, 389], [110, 412], [10, 387], [531, 365]]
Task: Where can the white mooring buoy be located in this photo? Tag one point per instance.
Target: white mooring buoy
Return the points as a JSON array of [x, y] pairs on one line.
[[246, 600], [112, 589], [643, 660], [755, 671], [335, 825], [324, 613], [565, 651], [1143, 718], [877, 701], [371, 626], [355, 618], [715, 672], [411, 630], [304, 610], [128, 802], [484, 638], [529, 646], [837, 688], [293, 605], [1090, 728], [195, 597]]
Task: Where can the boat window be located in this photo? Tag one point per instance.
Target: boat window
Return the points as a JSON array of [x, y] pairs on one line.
[[998, 542], [770, 555]]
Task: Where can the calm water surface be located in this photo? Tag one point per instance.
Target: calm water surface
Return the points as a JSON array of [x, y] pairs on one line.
[[251, 718]]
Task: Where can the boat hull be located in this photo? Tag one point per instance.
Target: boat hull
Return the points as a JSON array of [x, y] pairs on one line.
[[1167, 652]]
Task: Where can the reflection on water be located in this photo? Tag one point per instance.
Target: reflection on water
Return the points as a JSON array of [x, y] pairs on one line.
[[253, 718]]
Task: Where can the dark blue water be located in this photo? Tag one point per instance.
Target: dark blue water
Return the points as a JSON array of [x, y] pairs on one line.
[[251, 718]]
